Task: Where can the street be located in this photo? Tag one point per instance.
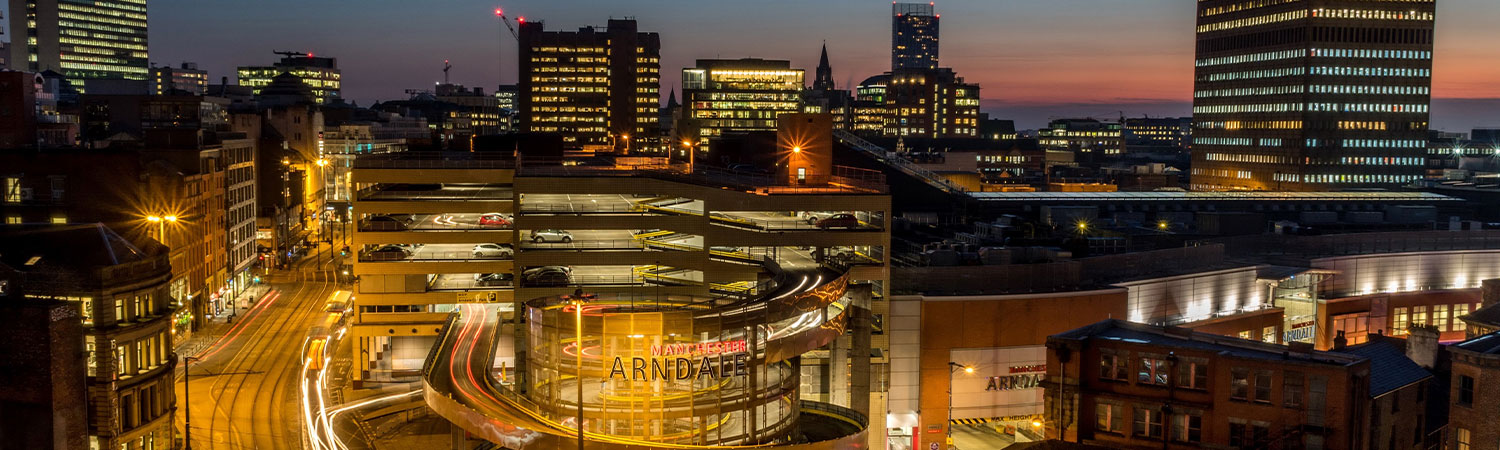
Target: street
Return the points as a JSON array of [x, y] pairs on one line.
[[977, 437], [244, 388]]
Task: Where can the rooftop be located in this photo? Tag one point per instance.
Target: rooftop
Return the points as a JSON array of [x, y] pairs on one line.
[[1489, 315], [1211, 196], [1182, 338], [82, 246], [1487, 344], [1390, 369]]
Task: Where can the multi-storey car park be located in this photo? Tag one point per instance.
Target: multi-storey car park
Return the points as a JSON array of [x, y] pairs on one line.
[[719, 308]]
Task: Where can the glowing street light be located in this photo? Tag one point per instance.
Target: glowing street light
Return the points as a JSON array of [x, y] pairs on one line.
[[161, 225], [796, 149]]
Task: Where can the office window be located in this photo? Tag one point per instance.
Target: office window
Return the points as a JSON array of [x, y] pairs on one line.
[[1247, 335], [1399, 327], [1187, 427], [1153, 371], [119, 309], [1263, 386], [1268, 335], [1108, 418], [1192, 373], [1239, 383], [1291, 389], [1440, 317], [12, 190], [1148, 423], [1466, 390], [1461, 438], [1112, 367], [1460, 310], [12, 220], [1419, 315]]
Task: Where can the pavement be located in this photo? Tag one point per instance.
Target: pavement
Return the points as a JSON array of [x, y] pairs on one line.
[[979, 437]]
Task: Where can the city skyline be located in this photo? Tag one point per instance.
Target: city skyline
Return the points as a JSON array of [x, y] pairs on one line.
[[1053, 75]]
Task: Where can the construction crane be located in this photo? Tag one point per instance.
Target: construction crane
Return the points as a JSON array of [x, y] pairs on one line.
[[291, 54], [501, 14], [446, 66]]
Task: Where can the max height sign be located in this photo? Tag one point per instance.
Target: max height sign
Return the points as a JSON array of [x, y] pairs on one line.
[[674, 362]]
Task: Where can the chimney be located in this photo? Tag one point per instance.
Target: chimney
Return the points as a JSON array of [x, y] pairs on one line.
[[1339, 342], [1489, 292], [1422, 345]]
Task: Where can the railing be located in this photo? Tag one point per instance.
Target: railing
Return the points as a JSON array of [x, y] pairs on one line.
[[435, 160], [895, 160], [852, 178]]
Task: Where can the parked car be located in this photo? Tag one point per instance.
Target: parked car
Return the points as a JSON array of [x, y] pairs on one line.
[[494, 279], [388, 253], [812, 217], [727, 249], [385, 223], [494, 220], [842, 220], [493, 251], [547, 276], [551, 236]]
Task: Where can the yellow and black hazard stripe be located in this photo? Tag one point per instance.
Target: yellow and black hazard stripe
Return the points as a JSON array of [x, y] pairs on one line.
[[975, 421]]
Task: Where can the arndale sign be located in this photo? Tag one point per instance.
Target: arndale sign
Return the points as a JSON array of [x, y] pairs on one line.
[[675, 362]]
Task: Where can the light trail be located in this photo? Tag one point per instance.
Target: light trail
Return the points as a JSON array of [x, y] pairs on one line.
[[234, 332]]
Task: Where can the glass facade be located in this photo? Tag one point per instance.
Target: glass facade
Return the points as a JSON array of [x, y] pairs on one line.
[[914, 36]]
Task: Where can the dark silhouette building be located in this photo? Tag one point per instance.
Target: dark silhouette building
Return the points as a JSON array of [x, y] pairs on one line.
[[914, 36], [598, 88]]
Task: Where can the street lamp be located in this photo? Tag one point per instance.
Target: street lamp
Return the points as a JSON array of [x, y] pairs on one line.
[[577, 301], [953, 367], [187, 392], [161, 225]]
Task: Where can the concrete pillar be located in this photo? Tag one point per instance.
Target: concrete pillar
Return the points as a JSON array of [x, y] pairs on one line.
[[838, 370], [458, 437], [859, 351]]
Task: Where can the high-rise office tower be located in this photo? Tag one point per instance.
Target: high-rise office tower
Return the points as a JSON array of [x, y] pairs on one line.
[[1311, 95], [184, 79], [733, 95], [914, 36], [81, 39], [320, 74], [599, 89]]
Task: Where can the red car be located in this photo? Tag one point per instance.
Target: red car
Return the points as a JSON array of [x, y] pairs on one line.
[[494, 220], [839, 221]]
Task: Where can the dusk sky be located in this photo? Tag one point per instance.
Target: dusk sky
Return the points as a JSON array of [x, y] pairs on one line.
[[1034, 59]]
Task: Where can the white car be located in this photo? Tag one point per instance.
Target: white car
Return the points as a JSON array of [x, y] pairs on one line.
[[493, 251], [540, 236]]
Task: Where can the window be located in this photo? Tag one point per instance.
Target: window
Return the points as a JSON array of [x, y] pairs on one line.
[[1263, 386], [1268, 334], [1466, 390], [1153, 371], [1108, 418], [12, 190], [1187, 427], [1147, 423], [1440, 317], [1112, 367], [1460, 310], [1291, 389], [1399, 328], [1247, 335], [1192, 374], [1461, 439], [1239, 383], [1419, 315]]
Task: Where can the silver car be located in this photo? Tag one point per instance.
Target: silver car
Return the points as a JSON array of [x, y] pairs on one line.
[[540, 236], [493, 251]]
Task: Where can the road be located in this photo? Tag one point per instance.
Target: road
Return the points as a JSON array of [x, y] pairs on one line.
[[976, 437], [245, 389]]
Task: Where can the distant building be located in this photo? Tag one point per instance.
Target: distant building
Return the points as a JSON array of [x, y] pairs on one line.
[[485, 115], [1158, 135], [933, 103], [1314, 95], [737, 95], [1089, 140], [914, 36], [1475, 393], [185, 79], [824, 97], [84, 41], [599, 89], [320, 74], [869, 106]]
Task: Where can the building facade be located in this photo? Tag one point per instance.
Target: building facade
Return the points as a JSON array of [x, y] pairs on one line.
[[1475, 393], [122, 297], [1126, 385], [930, 103], [597, 88], [184, 79], [914, 36], [92, 40], [1089, 140], [737, 95], [1311, 96], [320, 74]]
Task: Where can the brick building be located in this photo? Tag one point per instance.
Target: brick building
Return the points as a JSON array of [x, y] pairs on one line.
[[1475, 393], [1128, 385]]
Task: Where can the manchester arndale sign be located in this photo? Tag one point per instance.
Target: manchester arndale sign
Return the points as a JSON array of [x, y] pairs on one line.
[[675, 362]]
